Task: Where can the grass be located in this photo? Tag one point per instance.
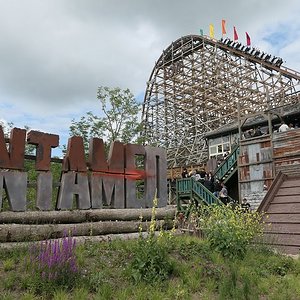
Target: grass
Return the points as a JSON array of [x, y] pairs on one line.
[[198, 273]]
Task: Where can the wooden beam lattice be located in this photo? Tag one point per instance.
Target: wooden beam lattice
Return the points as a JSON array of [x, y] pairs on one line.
[[198, 85]]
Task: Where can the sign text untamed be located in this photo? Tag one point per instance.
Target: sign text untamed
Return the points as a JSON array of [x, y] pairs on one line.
[[85, 183]]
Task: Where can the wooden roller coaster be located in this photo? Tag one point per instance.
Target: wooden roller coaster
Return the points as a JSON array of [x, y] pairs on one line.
[[201, 84]]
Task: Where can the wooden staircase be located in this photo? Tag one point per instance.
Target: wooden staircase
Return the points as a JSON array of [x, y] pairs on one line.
[[188, 189], [282, 208]]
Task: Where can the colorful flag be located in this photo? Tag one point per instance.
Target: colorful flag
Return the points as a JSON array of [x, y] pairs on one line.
[[235, 35], [223, 27], [211, 31], [201, 31], [248, 40]]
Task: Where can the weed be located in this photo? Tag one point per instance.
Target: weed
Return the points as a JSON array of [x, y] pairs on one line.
[[80, 294], [96, 280], [54, 263], [10, 281], [106, 291], [60, 295], [281, 266], [230, 231], [190, 248], [200, 273], [28, 296], [7, 296], [8, 264], [151, 262]]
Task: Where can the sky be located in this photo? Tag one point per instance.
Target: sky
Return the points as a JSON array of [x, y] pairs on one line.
[[54, 54]]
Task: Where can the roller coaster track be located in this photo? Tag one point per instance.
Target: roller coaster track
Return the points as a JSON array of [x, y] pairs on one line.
[[196, 87]]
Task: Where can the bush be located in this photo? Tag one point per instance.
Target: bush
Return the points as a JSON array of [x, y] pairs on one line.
[[230, 231], [151, 261]]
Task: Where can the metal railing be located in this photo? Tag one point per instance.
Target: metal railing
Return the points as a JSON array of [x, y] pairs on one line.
[[204, 194], [228, 166], [188, 188]]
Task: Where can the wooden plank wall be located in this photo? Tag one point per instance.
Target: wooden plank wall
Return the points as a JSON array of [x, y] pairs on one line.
[[255, 168], [286, 152], [283, 221]]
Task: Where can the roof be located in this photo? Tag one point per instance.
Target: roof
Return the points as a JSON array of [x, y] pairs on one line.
[[283, 112]]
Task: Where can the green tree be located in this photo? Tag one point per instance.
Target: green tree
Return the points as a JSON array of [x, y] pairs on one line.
[[119, 120], [6, 127]]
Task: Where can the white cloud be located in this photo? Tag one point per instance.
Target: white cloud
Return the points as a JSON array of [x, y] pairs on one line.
[[55, 53]]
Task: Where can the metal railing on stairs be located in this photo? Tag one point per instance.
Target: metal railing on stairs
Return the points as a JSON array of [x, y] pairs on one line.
[[228, 166], [189, 189]]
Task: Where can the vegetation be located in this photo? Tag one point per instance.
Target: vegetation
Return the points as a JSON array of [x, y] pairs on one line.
[[119, 119], [54, 262], [6, 127], [163, 266], [151, 263], [106, 271], [229, 230]]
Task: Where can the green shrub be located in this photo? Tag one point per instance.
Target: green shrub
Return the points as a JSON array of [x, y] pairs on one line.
[[281, 265], [230, 231], [151, 262], [8, 264]]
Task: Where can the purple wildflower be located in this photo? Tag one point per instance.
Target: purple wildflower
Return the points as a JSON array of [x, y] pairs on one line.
[[56, 260]]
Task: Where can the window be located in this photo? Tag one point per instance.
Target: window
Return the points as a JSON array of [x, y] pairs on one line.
[[220, 149], [226, 147], [219, 146], [212, 150]]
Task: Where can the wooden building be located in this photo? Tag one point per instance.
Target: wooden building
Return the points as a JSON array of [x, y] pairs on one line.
[[261, 157], [282, 201]]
